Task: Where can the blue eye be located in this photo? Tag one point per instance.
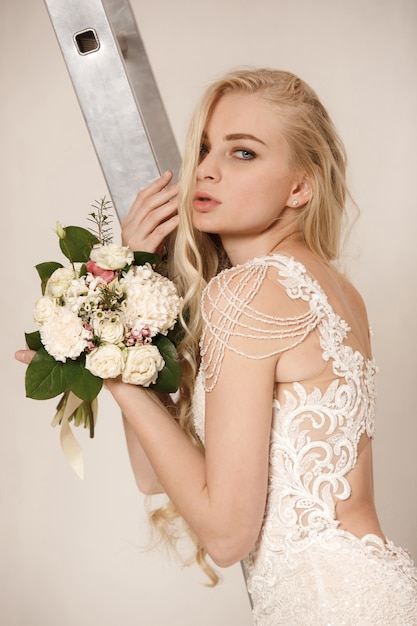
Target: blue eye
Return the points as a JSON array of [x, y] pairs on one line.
[[203, 151], [245, 155]]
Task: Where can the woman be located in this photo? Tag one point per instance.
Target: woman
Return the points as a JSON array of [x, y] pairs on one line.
[[278, 375]]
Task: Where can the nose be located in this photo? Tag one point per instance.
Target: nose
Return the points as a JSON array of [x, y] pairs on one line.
[[208, 168]]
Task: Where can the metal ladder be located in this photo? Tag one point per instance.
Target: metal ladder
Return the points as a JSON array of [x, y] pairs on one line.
[[117, 93]]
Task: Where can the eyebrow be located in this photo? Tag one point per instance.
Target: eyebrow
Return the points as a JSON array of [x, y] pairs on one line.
[[237, 136]]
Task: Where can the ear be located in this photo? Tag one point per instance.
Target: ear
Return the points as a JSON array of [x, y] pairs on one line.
[[301, 193]]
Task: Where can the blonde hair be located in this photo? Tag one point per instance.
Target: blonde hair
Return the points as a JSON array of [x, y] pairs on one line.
[[195, 257]]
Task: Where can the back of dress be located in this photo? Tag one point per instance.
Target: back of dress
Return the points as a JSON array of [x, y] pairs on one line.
[[305, 569]]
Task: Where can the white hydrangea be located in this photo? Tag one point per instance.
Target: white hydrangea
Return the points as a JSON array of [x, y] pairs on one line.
[[152, 300], [64, 335], [143, 364]]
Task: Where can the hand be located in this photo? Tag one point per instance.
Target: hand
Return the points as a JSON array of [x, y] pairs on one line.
[[24, 356], [153, 216]]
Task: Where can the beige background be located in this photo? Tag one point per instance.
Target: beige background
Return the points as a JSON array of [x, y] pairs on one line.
[[70, 550]]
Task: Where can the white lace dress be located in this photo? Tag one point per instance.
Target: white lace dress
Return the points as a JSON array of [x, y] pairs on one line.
[[304, 570]]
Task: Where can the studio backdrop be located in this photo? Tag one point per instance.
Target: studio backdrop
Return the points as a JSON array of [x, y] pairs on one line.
[[72, 551]]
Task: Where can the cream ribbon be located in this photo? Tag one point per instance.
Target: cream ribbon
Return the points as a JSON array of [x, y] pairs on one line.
[[69, 445]]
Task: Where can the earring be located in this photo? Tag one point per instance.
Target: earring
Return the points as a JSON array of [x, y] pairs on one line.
[[294, 202]]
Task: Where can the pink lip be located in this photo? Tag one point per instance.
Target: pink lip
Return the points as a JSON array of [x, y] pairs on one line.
[[204, 202]]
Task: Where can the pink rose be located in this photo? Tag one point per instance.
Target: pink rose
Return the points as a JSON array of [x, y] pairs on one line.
[[95, 270]]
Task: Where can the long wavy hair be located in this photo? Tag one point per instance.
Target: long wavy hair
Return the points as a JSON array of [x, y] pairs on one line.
[[195, 257]]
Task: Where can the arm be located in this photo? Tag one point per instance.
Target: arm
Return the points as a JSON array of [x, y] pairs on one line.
[[221, 495], [145, 476], [146, 479]]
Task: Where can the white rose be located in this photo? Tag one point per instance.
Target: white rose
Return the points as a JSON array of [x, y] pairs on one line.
[[106, 361], [111, 256], [143, 365], [59, 282], [108, 326], [45, 308], [64, 335]]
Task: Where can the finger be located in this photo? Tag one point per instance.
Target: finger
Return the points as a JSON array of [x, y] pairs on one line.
[[148, 200], [140, 229], [155, 218], [160, 214], [24, 356], [166, 195], [158, 185], [162, 181], [137, 220], [165, 179], [161, 232], [155, 241]]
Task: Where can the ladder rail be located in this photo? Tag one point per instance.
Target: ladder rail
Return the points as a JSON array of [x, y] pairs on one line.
[[117, 94]]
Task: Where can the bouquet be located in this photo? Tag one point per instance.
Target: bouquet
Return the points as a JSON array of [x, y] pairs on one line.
[[107, 313]]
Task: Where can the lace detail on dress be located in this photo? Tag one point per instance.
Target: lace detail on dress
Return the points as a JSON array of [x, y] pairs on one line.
[[304, 569], [338, 580]]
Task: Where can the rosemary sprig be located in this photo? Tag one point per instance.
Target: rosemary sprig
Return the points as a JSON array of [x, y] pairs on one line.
[[102, 220]]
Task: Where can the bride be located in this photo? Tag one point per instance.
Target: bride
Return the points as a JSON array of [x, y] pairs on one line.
[[267, 454]]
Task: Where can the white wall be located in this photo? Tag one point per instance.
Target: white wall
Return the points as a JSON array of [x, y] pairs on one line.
[[70, 550]]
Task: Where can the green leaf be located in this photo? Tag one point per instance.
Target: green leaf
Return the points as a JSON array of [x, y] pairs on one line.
[[80, 381], [146, 257], [169, 378], [44, 377], [45, 271], [176, 334], [33, 340], [77, 244]]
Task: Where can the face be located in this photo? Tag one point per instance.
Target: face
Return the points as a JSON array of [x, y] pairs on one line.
[[244, 181]]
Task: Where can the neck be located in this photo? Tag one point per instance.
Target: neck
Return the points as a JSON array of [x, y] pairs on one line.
[[240, 249]]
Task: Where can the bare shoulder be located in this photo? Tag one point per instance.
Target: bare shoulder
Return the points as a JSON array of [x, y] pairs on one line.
[[352, 293]]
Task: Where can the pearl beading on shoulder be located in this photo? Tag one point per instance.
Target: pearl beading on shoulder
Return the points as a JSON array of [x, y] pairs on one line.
[[222, 316]]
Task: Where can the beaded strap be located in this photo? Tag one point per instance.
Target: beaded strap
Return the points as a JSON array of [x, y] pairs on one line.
[[224, 307]]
